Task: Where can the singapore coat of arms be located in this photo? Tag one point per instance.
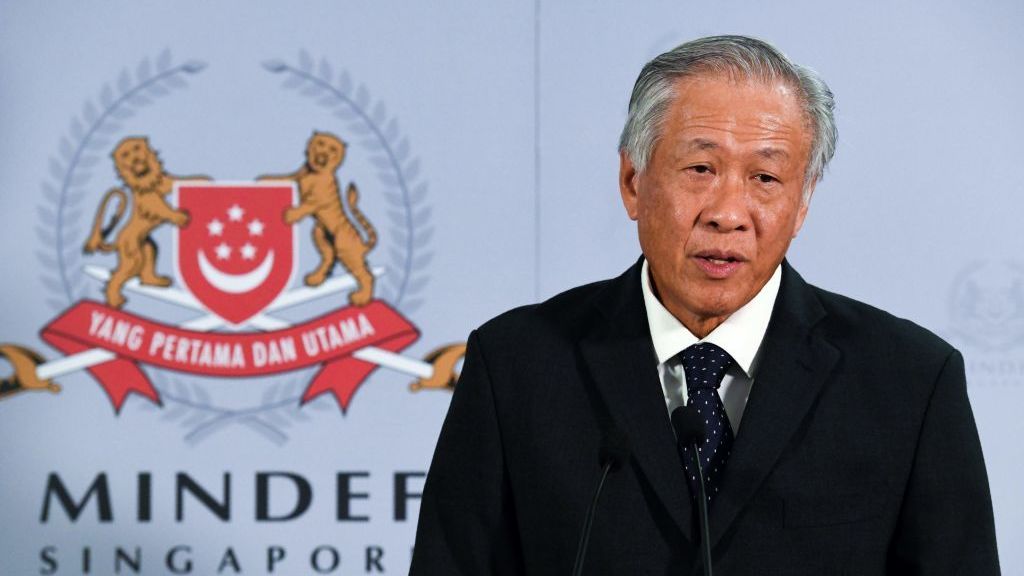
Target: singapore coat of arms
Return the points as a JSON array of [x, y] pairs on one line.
[[235, 255]]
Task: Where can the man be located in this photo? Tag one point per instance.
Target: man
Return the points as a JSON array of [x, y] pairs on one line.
[[839, 439]]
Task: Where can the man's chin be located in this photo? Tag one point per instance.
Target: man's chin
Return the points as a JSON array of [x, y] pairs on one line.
[[720, 304]]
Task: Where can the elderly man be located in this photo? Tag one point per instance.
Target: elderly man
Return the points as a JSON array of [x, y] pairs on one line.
[[839, 439]]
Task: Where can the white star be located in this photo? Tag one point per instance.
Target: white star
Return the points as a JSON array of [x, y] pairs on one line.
[[215, 227], [235, 213], [255, 227], [223, 251], [248, 251]]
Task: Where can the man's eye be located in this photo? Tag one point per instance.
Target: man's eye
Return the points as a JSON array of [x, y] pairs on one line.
[[701, 169], [765, 178]]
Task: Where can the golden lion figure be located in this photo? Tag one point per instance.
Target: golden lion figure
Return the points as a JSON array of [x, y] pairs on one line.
[[141, 170], [335, 237]]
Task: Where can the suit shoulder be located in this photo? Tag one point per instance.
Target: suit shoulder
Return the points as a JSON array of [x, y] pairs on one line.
[[869, 326]]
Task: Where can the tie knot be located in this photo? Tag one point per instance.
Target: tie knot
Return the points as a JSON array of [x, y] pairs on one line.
[[704, 365]]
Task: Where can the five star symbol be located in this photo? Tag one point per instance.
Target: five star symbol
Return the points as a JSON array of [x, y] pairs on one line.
[[216, 227]]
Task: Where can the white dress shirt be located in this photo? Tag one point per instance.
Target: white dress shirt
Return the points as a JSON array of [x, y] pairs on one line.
[[740, 335]]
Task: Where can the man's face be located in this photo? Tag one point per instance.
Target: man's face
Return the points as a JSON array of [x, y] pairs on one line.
[[721, 196]]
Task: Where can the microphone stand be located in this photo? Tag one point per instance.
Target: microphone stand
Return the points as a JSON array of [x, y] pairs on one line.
[[581, 549], [614, 454], [689, 429], [702, 512]]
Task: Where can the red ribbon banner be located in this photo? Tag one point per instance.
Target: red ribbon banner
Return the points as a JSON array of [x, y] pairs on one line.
[[329, 340]]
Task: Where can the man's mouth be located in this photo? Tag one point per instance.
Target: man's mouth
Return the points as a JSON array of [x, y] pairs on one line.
[[720, 256], [719, 264]]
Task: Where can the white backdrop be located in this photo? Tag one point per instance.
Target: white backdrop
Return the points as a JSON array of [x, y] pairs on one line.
[[482, 137]]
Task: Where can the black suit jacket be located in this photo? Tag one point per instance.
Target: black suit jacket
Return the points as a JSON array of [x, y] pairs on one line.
[[857, 453]]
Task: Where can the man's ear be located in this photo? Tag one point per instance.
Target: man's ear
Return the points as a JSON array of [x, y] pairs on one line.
[[627, 184]]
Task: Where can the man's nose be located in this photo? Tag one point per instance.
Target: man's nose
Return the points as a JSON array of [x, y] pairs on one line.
[[726, 209]]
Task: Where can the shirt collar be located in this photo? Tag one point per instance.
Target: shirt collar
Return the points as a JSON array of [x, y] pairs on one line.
[[740, 335]]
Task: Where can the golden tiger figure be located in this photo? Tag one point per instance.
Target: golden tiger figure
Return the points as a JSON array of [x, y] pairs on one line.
[[335, 237], [141, 170]]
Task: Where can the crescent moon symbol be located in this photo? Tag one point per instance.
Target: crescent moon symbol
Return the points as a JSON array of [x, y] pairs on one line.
[[236, 283]]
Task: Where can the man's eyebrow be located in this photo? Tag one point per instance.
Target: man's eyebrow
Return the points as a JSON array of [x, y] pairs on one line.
[[770, 152], [701, 144]]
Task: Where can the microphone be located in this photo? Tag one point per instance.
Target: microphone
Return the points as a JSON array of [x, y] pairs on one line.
[[690, 432], [613, 455], [688, 426]]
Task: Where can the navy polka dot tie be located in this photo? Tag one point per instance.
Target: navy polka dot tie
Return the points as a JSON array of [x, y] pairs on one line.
[[705, 365]]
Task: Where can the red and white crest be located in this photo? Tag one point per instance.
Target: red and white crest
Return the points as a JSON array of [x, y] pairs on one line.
[[236, 255]]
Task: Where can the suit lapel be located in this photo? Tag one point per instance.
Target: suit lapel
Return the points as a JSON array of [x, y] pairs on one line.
[[623, 366], [795, 362]]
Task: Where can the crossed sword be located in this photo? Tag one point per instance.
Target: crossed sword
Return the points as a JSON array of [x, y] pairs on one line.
[[31, 371]]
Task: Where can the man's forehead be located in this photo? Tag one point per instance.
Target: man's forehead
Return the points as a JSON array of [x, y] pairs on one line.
[[708, 111]]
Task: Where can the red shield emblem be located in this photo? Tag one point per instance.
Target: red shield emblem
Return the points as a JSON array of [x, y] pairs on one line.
[[236, 255]]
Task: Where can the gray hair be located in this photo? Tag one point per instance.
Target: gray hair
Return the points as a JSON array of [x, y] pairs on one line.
[[738, 56]]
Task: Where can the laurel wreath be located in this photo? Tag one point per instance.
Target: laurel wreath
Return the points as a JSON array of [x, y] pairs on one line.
[[90, 136], [190, 405], [397, 172], [89, 139]]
